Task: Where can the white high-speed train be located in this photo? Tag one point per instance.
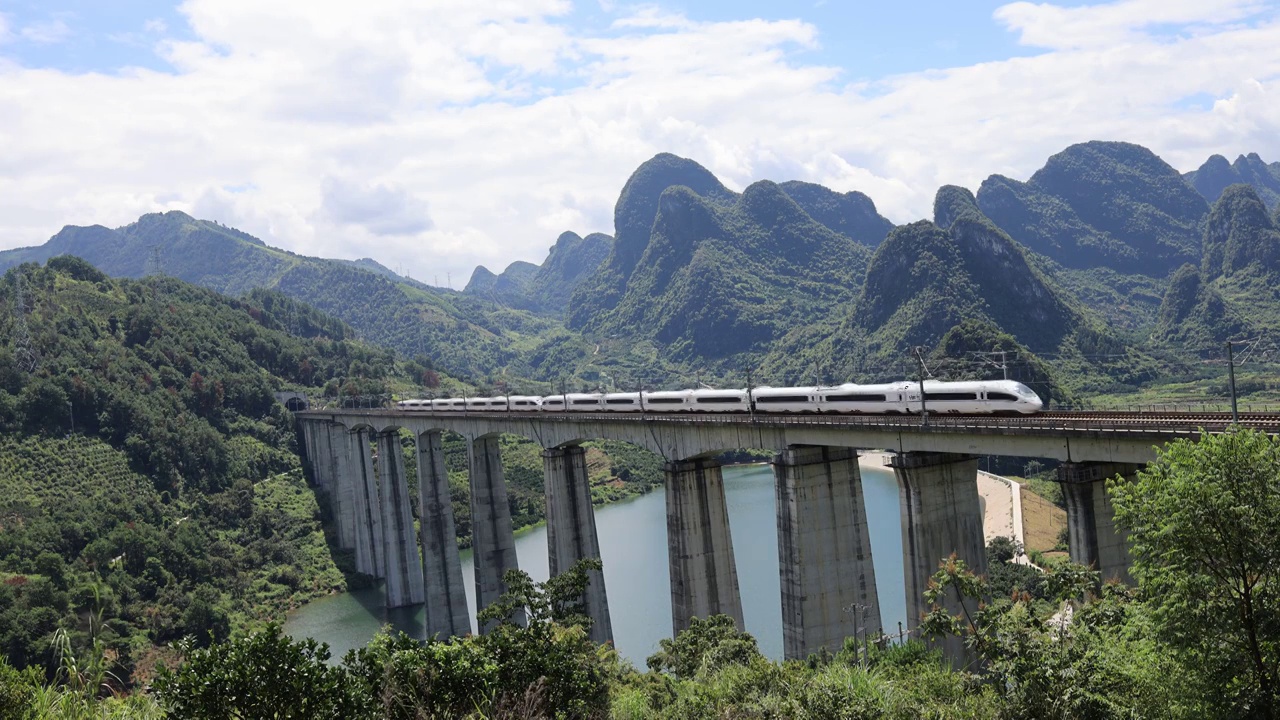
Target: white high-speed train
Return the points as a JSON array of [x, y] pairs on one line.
[[973, 397]]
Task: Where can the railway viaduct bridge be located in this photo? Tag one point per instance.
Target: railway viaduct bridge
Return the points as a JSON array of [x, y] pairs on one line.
[[823, 542]]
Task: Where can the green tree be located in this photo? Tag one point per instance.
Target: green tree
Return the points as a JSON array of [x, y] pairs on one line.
[[708, 645], [1203, 521], [549, 667], [264, 675], [17, 690]]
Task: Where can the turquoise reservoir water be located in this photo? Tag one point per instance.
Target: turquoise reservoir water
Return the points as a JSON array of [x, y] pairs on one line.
[[633, 544]]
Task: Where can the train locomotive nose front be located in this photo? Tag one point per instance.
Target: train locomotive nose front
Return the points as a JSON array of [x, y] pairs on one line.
[[1028, 401]]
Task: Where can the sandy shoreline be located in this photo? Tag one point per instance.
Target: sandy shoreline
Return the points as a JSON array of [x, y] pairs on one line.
[[1001, 504]]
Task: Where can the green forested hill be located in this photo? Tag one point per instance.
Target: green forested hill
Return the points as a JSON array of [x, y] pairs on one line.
[[708, 274], [465, 335], [1235, 291], [718, 279], [633, 219], [1216, 175], [146, 471], [851, 214], [545, 288], [1101, 204]]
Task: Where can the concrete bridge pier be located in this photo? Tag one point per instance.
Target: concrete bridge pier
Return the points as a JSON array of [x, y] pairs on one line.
[[310, 444], [404, 568], [941, 515], [492, 537], [824, 550], [441, 567], [339, 483], [1095, 539], [366, 503], [571, 529], [704, 576]]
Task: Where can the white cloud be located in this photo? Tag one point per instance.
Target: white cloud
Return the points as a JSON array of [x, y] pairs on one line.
[[5, 35], [379, 209], [330, 128], [48, 32], [1054, 26]]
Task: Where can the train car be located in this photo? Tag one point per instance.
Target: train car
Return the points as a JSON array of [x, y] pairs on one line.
[[1008, 396], [882, 399], [574, 402], [623, 402], [447, 404], [525, 403], [973, 397], [786, 399], [719, 401], [669, 401]]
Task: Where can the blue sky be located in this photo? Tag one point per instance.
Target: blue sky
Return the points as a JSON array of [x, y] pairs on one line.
[[868, 40], [441, 134]]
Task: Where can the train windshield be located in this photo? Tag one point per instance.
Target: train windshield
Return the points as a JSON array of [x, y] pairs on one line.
[[1024, 391]]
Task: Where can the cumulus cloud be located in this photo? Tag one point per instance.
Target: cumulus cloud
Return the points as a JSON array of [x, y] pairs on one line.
[[325, 127]]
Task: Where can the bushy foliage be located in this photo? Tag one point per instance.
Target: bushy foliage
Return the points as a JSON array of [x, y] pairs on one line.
[[1201, 520], [264, 675]]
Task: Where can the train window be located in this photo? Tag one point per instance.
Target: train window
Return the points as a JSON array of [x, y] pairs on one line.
[[719, 399], [782, 399], [666, 401], [586, 402], [620, 401], [1001, 396], [553, 402], [521, 403], [852, 397], [950, 396]]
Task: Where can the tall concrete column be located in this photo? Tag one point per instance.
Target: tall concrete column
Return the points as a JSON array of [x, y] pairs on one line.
[[441, 567], [704, 577], [824, 550], [941, 515], [404, 568], [320, 454], [309, 450], [366, 505], [1094, 538], [341, 483], [571, 529], [493, 541]]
